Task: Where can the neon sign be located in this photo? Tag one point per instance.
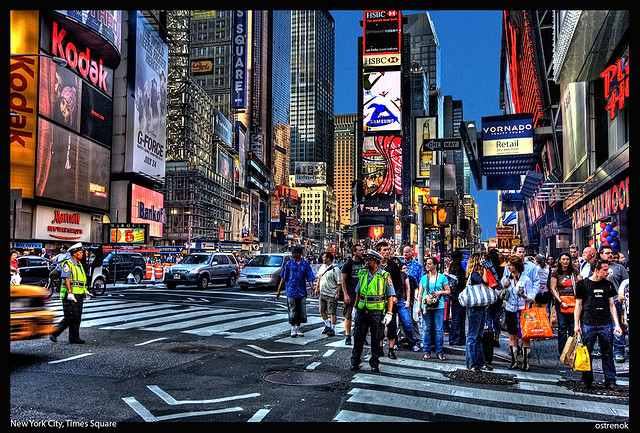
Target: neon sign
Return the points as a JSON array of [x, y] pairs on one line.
[[616, 85]]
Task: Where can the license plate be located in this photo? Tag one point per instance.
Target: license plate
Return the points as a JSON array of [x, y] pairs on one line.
[[176, 277], [251, 281]]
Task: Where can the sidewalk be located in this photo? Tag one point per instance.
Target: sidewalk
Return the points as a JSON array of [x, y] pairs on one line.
[[544, 353]]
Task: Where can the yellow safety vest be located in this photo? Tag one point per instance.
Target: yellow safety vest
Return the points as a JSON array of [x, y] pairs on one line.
[[373, 294], [77, 279]]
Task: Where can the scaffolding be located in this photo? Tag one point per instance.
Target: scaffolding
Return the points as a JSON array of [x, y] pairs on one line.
[[195, 195]]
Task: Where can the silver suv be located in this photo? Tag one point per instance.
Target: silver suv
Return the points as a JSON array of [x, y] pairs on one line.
[[200, 269]]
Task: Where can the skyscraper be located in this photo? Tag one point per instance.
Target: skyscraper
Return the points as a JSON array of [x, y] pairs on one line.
[[425, 55], [345, 146], [312, 87]]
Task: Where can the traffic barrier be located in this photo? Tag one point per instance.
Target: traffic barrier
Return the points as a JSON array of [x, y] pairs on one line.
[[158, 272], [149, 272]]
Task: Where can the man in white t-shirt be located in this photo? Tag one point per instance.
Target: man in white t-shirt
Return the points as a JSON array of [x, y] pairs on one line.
[[328, 285]]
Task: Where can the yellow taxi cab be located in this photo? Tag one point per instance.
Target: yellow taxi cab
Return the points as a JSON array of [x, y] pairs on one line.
[[31, 314]]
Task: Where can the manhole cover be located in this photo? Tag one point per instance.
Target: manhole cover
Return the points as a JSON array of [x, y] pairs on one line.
[[301, 378], [192, 349], [481, 377]]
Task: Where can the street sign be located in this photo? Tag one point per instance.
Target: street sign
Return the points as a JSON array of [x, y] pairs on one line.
[[443, 144]]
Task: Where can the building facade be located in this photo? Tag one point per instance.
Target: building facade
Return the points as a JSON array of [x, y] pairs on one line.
[[312, 89]]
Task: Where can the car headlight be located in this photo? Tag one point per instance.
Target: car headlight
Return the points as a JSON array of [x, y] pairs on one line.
[[194, 271]]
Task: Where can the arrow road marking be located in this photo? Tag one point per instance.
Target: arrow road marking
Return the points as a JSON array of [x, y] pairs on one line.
[[172, 401], [273, 355], [149, 417]]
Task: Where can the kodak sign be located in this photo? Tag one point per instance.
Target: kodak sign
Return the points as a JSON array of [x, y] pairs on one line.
[[23, 100], [78, 58]]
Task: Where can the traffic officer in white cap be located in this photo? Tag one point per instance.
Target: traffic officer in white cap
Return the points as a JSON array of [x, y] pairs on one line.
[[72, 292], [374, 297]]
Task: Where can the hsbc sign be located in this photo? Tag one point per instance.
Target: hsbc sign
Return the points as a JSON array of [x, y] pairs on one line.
[[381, 60]]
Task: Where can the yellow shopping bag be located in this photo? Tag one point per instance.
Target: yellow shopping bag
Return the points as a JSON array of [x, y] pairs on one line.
[[582, 361]]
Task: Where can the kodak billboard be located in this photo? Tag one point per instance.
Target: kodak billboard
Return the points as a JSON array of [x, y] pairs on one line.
[[23, 99]]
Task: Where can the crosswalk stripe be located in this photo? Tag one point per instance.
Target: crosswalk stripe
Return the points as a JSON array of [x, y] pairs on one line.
[[173, 315], [214, 316], [102, 318], [164, 314], [441, 396], [473, 411], [224, 328]]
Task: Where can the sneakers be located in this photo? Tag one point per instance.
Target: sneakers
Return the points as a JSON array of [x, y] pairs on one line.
[[613, 387], [299, 332], [326, 329], [331, 333], [347, 341], [619, 358]]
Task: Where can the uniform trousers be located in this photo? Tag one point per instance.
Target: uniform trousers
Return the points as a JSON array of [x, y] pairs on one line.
[[72, 317], [367, 320]]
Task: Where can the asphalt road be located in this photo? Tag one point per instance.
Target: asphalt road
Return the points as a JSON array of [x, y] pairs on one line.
[[223, 355]]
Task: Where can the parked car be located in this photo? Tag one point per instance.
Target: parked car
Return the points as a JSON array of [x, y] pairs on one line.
[[34, 270], [31, 315], [120, 265], [263, 271], [200, 269]]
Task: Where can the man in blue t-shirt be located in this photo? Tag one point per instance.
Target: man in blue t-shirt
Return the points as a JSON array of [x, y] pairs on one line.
[[295, 274]]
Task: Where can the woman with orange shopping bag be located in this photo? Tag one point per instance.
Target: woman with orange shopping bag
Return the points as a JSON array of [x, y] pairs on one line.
[[521, 290]]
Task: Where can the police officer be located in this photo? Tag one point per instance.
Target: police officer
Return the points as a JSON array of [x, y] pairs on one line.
[[74, 287], [374, 297]]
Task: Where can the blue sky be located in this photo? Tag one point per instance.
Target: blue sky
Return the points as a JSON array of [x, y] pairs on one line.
[[470, 58]]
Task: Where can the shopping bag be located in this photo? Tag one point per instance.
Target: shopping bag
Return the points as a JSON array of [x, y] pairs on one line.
[[568, 355], [582, 361], [571, 303], [477, 295], [534, 323]]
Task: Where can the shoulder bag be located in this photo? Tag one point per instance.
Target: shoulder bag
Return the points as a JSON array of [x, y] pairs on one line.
[[570, 300], [477, 295]]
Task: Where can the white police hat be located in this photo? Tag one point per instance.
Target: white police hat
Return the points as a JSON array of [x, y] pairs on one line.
[[372, 255], [75, 247]]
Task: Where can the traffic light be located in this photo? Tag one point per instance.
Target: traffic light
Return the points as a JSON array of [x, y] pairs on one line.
[[427, 216], [446, 215]]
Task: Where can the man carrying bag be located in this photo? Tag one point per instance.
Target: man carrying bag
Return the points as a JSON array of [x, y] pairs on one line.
[[593, 314]]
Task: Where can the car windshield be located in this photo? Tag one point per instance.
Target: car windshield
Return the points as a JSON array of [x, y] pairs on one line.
[[195, 259], [267, 261]]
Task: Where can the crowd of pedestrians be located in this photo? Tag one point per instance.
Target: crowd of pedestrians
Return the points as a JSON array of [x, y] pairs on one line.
[[403, 303]]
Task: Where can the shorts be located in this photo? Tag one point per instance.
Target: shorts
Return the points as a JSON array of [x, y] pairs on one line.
[[297, 308], [328, 304], [347, 309]]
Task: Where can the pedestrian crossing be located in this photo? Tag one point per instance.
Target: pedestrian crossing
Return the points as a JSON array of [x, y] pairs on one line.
[[203, 321], [414, 390]]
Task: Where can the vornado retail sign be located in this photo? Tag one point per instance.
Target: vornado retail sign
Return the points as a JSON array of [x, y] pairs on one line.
[[506, 136]]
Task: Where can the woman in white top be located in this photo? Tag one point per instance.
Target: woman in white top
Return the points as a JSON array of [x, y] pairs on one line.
[[521, 291]]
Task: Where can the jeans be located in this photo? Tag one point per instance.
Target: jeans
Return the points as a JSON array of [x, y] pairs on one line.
[[475, 327], [457, 329], [565, 327], [404, 314], [618, 340], [604, 336], [434, 319]]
